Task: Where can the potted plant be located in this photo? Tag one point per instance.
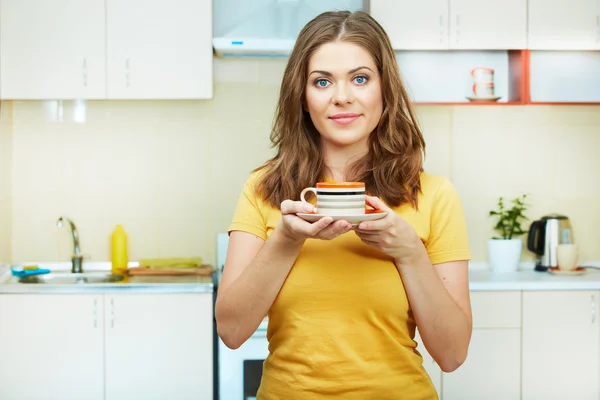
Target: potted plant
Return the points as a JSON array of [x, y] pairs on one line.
[[504, 251]]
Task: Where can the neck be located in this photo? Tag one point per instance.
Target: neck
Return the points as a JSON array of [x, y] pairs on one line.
[[337, 159]]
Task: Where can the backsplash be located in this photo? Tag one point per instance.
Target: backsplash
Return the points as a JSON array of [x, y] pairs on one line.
[[171, 171], [5, 180]]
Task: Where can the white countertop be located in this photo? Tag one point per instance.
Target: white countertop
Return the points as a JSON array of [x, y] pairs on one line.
[[485, 280], [144, 284], [480, 279]]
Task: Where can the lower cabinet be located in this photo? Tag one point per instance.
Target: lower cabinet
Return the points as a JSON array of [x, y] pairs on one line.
[[561, 345], [492, 369], [51, 347], [158, 347], [106, 347]]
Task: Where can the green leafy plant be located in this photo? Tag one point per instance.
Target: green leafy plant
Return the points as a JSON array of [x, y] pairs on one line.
[[510, 219]]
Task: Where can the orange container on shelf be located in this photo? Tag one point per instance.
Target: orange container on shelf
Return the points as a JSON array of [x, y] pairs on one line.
[[119, 253]]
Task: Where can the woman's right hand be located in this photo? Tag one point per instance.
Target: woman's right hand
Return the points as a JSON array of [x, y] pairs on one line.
[[298, 229]]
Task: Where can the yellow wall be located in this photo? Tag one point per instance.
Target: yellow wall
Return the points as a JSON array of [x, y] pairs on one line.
[[171, 171]]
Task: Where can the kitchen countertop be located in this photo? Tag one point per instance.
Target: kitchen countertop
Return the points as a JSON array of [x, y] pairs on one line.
[[485, 280], [131, 284], [480, 279]]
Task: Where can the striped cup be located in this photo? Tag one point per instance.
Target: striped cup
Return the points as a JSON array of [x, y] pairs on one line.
[[338, 198]]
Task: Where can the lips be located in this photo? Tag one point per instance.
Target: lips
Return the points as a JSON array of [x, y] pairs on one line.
[[344, 118]]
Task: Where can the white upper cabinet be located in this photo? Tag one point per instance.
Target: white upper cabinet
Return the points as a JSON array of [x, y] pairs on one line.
[[488, 24], [413, 25], [159, 49], [454, 24], [564, 24], [52, 49]]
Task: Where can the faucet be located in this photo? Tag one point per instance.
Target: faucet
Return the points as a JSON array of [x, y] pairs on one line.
[[77, 257]]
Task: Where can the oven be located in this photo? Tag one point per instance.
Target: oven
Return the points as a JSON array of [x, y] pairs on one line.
[[237, 372]]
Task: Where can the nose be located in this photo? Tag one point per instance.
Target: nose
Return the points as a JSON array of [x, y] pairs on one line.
[[342, 94]]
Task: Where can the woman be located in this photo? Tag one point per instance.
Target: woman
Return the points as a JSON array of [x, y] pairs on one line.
[[343, 302]]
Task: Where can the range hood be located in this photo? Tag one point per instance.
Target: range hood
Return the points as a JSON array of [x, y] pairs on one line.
[[270, 28]]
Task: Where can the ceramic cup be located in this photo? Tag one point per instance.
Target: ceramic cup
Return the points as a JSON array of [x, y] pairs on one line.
[[483, 89], [338, 198], [481, 74], [567, 256]]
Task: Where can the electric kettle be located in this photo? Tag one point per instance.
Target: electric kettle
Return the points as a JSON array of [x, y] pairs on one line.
[[544, 237]]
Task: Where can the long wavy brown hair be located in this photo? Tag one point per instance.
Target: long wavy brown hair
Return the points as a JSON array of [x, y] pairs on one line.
[[391, 169]]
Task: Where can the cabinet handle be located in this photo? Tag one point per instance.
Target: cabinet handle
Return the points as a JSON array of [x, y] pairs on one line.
[[127, 73], [457, 27], [112, 312], [95, 313], [593, 299], [84, 71]]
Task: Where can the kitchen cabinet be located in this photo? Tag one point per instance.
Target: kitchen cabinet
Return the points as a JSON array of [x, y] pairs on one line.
[[454, 24], [159, 347], [488, 24], [432, 368], [561, 345], [106, 347], [159, 50], [51, 347], [413, 25], [492, 369], [564, 25], [52, 49]]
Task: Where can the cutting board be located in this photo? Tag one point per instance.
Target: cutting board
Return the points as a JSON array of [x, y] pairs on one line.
[[203, 270]]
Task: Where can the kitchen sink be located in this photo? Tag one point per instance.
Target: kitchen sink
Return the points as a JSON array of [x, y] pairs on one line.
[[68, 278]]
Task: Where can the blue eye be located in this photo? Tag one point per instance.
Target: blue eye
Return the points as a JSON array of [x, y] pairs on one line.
[[321, 82], [361, 79]]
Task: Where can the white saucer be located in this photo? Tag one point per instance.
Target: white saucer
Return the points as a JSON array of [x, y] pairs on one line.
[[354, 219], [487, 98], [576, 271]]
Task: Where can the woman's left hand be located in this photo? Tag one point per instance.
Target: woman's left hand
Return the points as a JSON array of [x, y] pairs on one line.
[[391, 234]]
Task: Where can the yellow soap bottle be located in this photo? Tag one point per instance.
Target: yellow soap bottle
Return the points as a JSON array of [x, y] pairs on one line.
[[119, 256]]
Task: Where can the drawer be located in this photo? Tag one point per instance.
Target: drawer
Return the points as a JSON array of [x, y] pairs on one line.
[[496, 309]]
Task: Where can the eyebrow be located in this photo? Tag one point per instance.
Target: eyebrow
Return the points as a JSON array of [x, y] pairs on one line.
[[327, 73]]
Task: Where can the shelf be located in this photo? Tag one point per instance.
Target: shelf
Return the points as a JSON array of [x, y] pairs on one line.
[[536, 78], [444, 77]]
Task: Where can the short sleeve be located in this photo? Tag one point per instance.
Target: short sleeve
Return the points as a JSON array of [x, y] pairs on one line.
[[249, 214], [448, 239]]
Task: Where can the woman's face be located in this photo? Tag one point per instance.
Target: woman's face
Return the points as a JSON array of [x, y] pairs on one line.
[[343, 94]]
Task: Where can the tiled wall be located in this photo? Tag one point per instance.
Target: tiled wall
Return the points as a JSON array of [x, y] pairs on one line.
[[5, 180], [171, 171]]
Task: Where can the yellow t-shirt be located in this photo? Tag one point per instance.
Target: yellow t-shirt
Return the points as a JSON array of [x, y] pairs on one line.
[[341, 326]]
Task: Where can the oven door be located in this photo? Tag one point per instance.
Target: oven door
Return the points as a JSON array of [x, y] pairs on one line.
[[240, 370]]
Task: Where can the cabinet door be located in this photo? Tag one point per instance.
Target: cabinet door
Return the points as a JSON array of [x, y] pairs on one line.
[[413, 25], [564, 24], [434, 371], [561, 345], [159, 49], [488, 24], [52, 49], [492, 369], [159, 346], [51, 347]]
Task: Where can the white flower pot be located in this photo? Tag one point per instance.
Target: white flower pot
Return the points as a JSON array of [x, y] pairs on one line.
[[504, 254]]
